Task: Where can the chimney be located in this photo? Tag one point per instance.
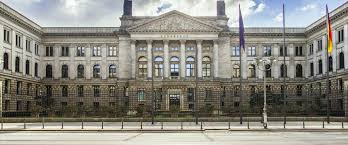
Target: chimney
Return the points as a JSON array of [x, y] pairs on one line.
[[127, 8], [221, 8]]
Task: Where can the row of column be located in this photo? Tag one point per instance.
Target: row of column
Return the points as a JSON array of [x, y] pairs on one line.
[[182, 56]]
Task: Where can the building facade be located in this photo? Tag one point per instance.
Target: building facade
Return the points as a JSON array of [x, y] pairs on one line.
[[169, 61]]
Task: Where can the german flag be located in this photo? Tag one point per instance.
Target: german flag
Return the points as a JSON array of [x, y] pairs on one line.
[[329, 32]]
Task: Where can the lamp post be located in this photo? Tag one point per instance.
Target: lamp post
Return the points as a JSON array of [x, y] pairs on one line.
[[265, 65], [1, 62]]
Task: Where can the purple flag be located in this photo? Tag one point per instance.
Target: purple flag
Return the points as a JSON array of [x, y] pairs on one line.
[[241, 31]]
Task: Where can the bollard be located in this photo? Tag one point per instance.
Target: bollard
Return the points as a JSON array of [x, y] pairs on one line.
[[141, 124], [323, 124], [201, 125], [284, 124], [303, 124], [82, 124], [342, 125], [2, 124], [102, 127], [229, 124], [25, 125], [122, 124], [62, 124], [162, 125], [181, 125], [43, 122], [248, 124]]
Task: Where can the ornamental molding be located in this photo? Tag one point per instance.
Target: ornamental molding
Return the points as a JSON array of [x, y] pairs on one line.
[[174, 21]]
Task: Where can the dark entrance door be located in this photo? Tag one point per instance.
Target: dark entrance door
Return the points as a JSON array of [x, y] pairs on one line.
[[174, 101]]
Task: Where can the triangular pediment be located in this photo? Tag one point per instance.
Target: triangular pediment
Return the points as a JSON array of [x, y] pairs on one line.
[[174, 21]]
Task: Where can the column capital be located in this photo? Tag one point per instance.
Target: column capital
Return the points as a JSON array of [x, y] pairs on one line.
[[182, 41], [165, 42], [215, 41], [133, 41], [149, 41], [199, 42]]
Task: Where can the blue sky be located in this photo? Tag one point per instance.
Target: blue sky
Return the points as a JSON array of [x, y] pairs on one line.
[[99, 13]]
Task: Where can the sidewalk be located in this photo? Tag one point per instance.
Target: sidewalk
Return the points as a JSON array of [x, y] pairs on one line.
[[169, 126]]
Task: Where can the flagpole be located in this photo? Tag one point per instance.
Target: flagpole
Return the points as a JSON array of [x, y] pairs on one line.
[[284, 67], [241, 44], [327, 67]]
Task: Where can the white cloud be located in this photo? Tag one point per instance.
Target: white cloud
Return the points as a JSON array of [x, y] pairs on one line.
[[308, 7], [260, 8], [278, 18], [75, 7]]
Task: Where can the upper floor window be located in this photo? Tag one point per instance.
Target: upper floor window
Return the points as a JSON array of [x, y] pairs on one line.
[[112, 91], [235, 73], [158, 49], [80, 71], [206, 48], [312, 69], [268, 71], [7, 35], [298, 51], [96, 71], [158, 67], [80, 51], [19, 40], [28, 45], [174, 67], [283, 71], [36, 49], [80, 91], [330, 64], [267, 51], [6, 60], [36, 71], [141, 95], [190, 48], [142, 67], [96, 51], [65, 71], [206, 68], [190, 66], [112, 71], [282, 51], [65, 51], [340, 36], [112, 51], [252, 51], [49, 71], [341, 60], [235, 51], [19, 88], [142, 49], [49, 51], [311, 49], [299, 71], [320, 45], [64, 91], [96, 91], [252, 71], [320, 66], [175, 49], [17, 64], [27, 67]]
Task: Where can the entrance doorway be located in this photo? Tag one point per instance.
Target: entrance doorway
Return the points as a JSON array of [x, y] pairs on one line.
[[174, 101]]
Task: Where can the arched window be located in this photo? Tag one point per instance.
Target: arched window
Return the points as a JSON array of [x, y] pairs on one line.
[[190, 67], [268, 71], [49, 71], [320, 66], [158, 67], [206, 68], [330, 64], [142, 67], [27, 67], [96, 71], [80, 71], [65, 71], [17, 64], [341, 60], [299, 71], [5, 60], [252, 71], [36, 70], [112, 71], [235, 73], [283, 71], [174, 67]]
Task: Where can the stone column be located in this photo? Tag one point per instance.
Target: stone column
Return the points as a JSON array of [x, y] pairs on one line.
[[291, 67], [149, 58], [216, 59], [345, 46], [125, 58], [166, 59], [315, 58], [199, 58], [276, 66], [323, 52], [1, 98], [133, 59], [182, 56], [334, 52]]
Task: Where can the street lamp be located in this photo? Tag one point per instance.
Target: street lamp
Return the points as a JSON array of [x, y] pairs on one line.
[[265, 64]]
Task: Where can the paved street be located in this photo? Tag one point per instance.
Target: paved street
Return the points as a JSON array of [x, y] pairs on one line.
[[194, 138]]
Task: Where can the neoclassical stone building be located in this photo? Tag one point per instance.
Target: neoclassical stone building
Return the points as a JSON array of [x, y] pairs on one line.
[[172, 54]]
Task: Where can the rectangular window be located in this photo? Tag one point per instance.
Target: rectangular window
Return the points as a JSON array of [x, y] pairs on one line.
[[190, 94], [64, 91], [49, 91], [7, 86], [19, 106], [19, 40], [252, 51], [49, 51], [267, 51], [112, 51], [96, 91], [96, 51], [7, 36], [27, 45], [208, 95], [80, 91], [298, 50], [19, 88], [312, 69], [311, 49], [320, 45], [36, 49], [299, 90], [174, 71], [141, 95], [235, 51], [112, 91], [65, 51], [29, 88], [96, 105], [7, 105], [80, 51], [340, 36], [281, 51]]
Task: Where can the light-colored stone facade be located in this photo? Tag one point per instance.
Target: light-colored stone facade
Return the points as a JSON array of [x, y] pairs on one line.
[[208, 40]]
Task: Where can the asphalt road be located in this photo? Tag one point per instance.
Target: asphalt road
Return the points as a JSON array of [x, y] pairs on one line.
[[188, 138]]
